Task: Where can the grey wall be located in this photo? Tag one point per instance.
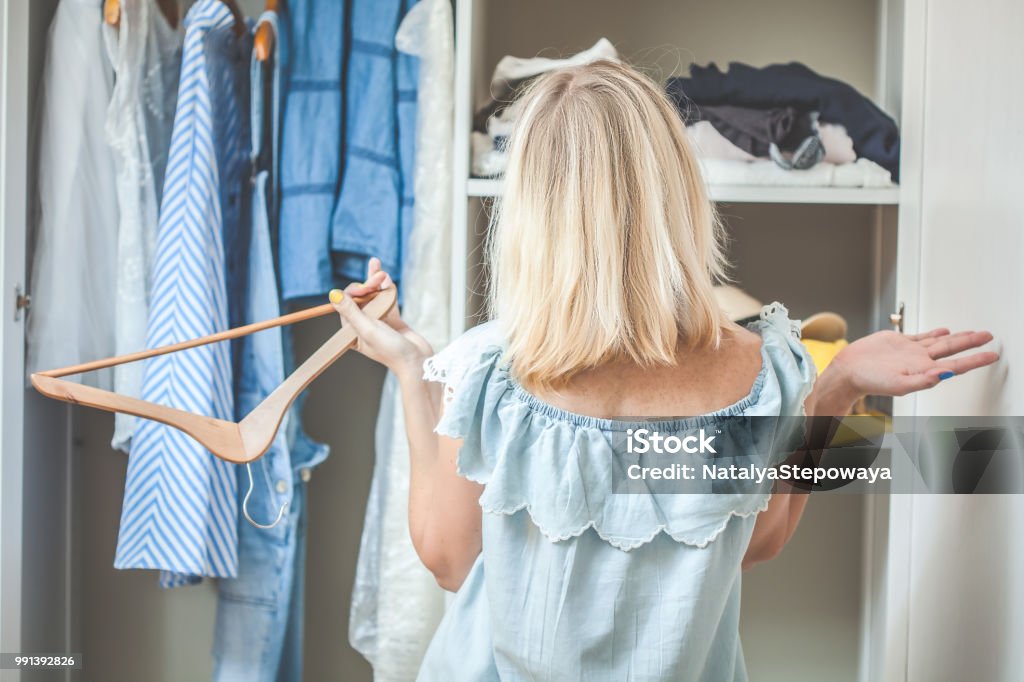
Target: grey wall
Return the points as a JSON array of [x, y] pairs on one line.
[[810, 257], [836, 37], [800, 613]]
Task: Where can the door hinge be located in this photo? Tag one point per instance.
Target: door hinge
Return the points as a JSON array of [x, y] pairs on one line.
[[896, 318], [22, 301]]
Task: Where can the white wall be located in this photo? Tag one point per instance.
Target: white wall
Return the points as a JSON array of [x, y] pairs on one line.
[[966, 619]]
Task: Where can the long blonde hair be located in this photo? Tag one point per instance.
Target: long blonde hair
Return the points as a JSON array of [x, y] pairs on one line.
[[605, 244]]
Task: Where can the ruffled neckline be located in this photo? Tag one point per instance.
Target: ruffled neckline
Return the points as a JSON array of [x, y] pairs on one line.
[[546, 409], [560, 466]]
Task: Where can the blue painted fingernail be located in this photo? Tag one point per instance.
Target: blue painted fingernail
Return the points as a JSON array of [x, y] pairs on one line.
[[946, 375]]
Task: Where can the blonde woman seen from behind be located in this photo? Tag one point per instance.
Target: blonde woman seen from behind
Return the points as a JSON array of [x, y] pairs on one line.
[[603, 252]]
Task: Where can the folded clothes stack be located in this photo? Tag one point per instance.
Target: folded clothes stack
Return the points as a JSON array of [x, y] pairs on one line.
[[494, 121], [781, 125], [784, 124]]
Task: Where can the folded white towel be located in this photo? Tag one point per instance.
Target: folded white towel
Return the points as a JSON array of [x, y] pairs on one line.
[[762, 172], [489, 162], [517, 68]]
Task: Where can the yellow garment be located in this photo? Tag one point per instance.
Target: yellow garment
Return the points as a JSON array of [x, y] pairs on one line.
[[822, 352], [870, 425]]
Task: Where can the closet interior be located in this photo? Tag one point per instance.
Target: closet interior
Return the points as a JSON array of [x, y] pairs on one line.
[[74, 485], [815, 249]]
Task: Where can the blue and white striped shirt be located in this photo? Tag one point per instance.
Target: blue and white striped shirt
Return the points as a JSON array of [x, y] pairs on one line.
[[180, 509]]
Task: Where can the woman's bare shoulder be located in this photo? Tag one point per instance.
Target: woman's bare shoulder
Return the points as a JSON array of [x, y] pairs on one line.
[[701, 381], [731, 368], [737, 339]]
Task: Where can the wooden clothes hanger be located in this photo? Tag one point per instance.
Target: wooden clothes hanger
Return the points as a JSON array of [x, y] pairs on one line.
[[239, 442], [263, 43]]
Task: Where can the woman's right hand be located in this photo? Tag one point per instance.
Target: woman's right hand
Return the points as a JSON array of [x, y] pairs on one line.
[[389, 340]]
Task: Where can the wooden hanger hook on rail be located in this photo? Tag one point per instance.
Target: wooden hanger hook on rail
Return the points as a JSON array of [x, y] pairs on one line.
[[169, 8], [239, 442], [263, 43]]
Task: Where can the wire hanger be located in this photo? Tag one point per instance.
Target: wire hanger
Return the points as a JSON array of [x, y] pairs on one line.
[[240, 442], [263, 44], [245, 505]]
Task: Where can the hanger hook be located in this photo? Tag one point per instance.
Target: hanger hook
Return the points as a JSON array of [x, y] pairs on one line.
[[245, 505]]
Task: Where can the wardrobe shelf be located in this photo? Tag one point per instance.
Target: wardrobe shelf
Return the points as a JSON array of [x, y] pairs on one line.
[[755, 194]]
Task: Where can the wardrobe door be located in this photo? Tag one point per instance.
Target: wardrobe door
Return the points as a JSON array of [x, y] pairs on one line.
[[964, 597], [35, 499]]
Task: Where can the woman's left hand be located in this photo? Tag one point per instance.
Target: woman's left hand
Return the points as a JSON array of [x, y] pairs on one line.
[[888, 363], [389, 340]]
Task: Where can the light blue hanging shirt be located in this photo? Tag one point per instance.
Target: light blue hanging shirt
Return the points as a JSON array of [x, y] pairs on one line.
[[180, 513], [575, 581]]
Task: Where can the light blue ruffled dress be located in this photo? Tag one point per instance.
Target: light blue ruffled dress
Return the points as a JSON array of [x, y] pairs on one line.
[[575, 581]]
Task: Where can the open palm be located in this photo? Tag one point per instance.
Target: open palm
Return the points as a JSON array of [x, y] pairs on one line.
[[892, 364]]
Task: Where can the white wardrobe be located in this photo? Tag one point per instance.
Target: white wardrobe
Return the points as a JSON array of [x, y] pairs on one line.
[[856, 595], [907, 589]]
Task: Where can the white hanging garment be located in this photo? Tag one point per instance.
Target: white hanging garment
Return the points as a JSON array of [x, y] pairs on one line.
[[146, 54], [396, 603], [75, 259]]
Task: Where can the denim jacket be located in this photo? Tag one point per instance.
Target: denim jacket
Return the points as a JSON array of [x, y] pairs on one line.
[[348, 140], [373, 215], [258, 633]]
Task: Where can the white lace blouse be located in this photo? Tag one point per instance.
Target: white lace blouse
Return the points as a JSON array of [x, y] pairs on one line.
[[146, 54]]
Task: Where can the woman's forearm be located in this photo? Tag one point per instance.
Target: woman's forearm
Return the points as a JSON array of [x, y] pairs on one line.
[[421, 407], [832, 396], [421, 402], [444, 515]]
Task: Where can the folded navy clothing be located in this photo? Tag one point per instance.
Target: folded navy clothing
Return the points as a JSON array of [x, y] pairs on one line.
[[758, 131], [874, 134]]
